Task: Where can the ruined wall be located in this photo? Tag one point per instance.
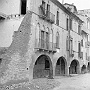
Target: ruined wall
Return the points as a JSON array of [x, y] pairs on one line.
[[14, 65]]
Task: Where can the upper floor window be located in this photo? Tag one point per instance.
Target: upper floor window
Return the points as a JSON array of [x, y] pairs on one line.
[[67, 20], [47, 39], [43, 4], [48, 10], [79, 29], [57, 18], [70, 24], [82, 42], [67, 43], [79, 49], [23, 6], [71, 45], [57, 40]]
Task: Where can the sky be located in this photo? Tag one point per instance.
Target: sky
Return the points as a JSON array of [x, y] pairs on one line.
[[80, 4]]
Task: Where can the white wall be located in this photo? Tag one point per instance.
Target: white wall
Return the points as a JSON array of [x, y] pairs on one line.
[[7, 28], [10, 6]]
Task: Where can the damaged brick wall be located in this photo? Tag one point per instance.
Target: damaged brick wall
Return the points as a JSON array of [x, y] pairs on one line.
[[14, 61]]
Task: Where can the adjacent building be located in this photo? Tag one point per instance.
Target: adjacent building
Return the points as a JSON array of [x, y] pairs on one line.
[[85, 33]]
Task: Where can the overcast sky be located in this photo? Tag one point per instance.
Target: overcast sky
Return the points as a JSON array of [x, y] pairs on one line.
[[80, 4]]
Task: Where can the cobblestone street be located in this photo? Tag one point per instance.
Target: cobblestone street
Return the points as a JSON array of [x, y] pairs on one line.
[[76, 82]]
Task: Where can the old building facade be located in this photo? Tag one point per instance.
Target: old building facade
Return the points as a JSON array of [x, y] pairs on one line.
[[46, 40], [85, 34]]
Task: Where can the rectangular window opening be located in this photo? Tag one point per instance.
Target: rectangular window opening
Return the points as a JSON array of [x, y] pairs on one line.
[[23, 6]]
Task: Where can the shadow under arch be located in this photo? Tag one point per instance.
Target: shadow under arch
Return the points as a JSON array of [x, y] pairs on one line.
[[74, 67], [83, 69], [43, 67], [61, 67]]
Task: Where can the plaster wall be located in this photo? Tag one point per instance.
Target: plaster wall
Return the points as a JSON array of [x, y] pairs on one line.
[[7, 28]]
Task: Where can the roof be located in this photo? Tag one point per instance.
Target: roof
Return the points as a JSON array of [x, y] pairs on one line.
[[66, 10], [71, 5]]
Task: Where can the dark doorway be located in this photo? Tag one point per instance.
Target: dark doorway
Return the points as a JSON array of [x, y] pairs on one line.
[[74, 67], [23, 6], [83, 69], [60, 67]]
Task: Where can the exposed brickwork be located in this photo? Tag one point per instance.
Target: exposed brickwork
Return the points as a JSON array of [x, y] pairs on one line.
[[15, 60]]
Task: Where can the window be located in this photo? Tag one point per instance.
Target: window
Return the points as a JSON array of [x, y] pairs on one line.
[[71, 46], [43, 4], [79, 49], [82, 42], [67, 24], [67, 43], [70, 24], [48, 11], [57, 18], [42, 7], [42, 39], [47, 40], [57, 40], [79, 29], [23, 6]]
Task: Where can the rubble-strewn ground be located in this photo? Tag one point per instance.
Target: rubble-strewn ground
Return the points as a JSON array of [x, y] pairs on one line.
[[74, 82], [36, 84]]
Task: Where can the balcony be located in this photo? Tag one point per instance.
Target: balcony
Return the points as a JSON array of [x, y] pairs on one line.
[[47, 15], [45, 46]]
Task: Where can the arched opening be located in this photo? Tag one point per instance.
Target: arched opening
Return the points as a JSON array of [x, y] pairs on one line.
[[74, 67], [43, 67], [60, 67], [88, 67], [83, 69]]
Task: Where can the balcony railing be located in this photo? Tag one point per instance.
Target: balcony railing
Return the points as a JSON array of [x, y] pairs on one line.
[[45, 45], [45, 14]]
